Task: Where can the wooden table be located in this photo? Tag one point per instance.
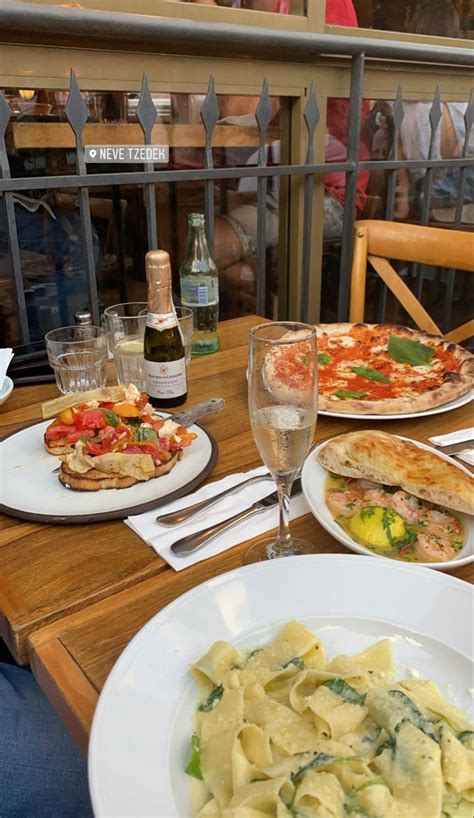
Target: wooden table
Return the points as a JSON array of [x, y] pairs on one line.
[[72, 597]]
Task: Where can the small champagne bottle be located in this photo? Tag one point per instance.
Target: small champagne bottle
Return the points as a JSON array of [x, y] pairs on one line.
[[164, 353]]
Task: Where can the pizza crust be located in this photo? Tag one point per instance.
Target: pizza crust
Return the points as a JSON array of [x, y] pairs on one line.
[[455, 385], [391, 461]]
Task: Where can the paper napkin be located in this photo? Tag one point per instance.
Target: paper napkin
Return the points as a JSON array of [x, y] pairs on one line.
[[162, 537], [461, 436], [5, 359]]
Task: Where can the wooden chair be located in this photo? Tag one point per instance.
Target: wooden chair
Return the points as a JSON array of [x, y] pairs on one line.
[[378, 241]]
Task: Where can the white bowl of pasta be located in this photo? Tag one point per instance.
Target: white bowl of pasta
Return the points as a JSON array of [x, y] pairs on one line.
[[141, 736]]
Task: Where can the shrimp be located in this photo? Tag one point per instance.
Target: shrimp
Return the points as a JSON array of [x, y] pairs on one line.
[[377, 497], [431, 548], [367, 484], [441, 518], [406, 505], [344, 503]]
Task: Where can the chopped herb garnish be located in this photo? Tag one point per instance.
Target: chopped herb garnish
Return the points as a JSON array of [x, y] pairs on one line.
[[409, 352], [345, 394], [389, 744], [111, 417], [133, 421], [370, 374], [324, 358], [214, 696], [367, 513], [297, 662], [345, 691], [319, 760], [149, 435], [194, 765]]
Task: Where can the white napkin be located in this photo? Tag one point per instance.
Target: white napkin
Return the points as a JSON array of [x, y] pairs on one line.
[[161, 537], [461, 436], [5, 359]]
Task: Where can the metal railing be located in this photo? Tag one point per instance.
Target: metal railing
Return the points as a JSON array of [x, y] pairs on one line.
[[179, 34]]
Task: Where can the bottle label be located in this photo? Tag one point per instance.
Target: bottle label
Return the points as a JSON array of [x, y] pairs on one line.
[[161, 321], [199, 293], [166, 379]]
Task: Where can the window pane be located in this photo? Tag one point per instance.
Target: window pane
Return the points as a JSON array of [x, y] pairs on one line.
[[275, 6], [40, 143]]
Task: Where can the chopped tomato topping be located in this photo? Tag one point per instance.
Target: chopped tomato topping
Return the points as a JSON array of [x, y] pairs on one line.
[[142, 400], [94, 449], [73, 437], [57, 430], [90, 419]]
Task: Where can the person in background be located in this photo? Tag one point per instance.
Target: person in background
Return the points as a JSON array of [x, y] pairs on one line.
[[436, 18], [43, 774], [236, 231]]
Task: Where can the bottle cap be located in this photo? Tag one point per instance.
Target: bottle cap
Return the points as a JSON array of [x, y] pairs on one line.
[[196, 220], [82, 317]]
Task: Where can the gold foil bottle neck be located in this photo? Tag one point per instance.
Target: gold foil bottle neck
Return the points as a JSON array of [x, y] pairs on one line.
[[158, 273], [158, 267]]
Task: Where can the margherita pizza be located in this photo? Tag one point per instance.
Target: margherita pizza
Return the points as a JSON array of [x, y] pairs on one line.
[[377, 369]]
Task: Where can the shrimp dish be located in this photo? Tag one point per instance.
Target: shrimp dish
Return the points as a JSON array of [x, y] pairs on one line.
[[392, 523]]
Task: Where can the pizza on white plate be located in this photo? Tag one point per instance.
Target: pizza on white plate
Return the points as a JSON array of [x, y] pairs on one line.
[[376, 369]]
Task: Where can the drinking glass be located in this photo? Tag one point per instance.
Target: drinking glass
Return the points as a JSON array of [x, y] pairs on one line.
[[185, 318], [78, 356], [282, 389], [125, 324]]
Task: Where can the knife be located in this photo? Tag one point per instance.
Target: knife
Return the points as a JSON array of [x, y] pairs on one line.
[[194, 542], [194, 413], [456, 448]]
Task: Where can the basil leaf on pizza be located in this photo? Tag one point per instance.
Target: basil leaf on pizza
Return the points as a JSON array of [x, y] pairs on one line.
[[370, 374], [345, 394], [324, 358], [409, 352]]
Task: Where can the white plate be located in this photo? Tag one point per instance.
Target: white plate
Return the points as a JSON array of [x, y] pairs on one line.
[[437, 410], [143, 722], [313, 478], [32, 491], [6, 389]]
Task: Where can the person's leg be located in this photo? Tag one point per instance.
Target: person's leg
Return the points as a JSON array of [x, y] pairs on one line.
[[43, 774]]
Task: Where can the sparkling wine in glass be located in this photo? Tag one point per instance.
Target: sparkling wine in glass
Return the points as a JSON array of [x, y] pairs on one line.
[[282, 379]]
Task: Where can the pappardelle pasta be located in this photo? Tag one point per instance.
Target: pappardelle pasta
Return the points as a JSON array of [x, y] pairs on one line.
[[283, 731]]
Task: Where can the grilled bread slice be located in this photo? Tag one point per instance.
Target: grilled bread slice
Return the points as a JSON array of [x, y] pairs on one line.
[[387, 459], [95, 480]]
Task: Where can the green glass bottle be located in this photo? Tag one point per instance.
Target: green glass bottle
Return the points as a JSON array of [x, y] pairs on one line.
[[200, 288], [164, 353]]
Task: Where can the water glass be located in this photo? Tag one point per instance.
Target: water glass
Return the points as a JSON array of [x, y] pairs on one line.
[[78, 356], [282, 391], [185, 318], [125, 324]]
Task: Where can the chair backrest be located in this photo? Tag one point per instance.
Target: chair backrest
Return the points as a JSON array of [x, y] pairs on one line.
[[378, 241]]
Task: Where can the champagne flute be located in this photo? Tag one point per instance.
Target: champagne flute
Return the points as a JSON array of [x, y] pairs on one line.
[[282, 389]]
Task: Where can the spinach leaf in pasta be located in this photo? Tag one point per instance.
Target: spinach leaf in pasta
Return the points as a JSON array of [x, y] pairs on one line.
[[194, 766], [214, 696], [319, 760], [297, 662], [389, 744], [345, 691], [466, 738], [414, 715]]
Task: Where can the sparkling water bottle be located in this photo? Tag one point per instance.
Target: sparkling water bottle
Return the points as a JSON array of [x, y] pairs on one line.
[[200, 288]]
